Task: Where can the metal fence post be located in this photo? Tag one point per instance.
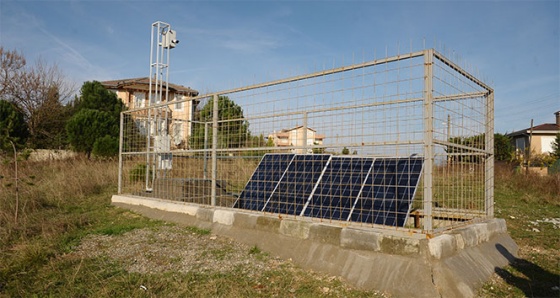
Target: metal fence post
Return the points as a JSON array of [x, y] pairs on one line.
[[121, 138], [214, 148], [428, 139], [305, 133], [489, 162], [205, 150]]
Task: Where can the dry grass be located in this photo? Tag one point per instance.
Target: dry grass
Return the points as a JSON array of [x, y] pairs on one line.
[[44, 187], [534, 188], [63, 202], [69, 203]]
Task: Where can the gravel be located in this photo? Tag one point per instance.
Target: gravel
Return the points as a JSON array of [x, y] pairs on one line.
[[175, 249]]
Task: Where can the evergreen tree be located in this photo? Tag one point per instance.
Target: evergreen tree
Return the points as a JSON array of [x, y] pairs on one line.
[[556, 147], [503, 149], [231, 134], [94, 96], [96, 121], [12, 126]]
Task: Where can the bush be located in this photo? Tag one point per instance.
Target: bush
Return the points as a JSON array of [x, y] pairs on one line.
[[138, 173]]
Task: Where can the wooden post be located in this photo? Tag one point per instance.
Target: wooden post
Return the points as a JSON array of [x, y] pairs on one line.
[[529, 149]]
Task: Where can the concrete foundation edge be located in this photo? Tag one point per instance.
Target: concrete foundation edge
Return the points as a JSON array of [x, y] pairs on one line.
[[453, 264]]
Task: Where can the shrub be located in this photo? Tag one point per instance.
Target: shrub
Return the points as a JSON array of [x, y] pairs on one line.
[[138, 173]]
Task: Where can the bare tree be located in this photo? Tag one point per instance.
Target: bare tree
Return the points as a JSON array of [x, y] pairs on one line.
[[11, 62], [39, 91]]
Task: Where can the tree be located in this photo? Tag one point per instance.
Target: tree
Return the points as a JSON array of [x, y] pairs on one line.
[[345, 151], [95, 125], [38, 91], [11, 62], [461, 154], [503, 149], [87, 126], [556, 147], [106, 146], [95, 97], [12, 126], [50, 132], [233, 129]]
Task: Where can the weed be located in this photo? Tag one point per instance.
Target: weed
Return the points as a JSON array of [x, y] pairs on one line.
[[254, 250], [198, 231]]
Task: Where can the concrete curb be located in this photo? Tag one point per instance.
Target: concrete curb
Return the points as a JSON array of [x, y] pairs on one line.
[[452, 264]]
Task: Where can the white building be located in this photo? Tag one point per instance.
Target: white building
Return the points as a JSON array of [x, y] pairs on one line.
[[297, 137]]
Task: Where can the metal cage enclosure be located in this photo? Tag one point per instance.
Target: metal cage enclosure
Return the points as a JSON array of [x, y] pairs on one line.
[[415, 105]]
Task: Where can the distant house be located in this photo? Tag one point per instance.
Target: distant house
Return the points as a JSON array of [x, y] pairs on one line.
[[543, 136], [135, 94], [296, 137]]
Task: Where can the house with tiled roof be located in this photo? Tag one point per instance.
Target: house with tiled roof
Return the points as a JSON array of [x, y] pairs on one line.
[[540, 137], [296, 137], [134, 93]]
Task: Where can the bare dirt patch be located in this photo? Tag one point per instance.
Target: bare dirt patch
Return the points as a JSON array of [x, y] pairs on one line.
[[170, 249]]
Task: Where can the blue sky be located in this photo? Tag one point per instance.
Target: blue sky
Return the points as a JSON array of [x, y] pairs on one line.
[[512, 45]]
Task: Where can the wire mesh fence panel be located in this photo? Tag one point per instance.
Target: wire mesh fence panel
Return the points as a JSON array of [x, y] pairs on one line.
[[400, 142]]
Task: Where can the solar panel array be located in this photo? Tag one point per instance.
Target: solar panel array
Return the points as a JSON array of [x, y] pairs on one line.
[[347, 188]]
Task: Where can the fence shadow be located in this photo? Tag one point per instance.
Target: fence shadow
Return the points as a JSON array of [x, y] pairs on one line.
[[535, 282]]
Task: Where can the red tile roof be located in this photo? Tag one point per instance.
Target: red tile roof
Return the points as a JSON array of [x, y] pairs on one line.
[[546, 128], [143, 84]]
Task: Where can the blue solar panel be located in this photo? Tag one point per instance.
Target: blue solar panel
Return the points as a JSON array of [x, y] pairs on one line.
[[263, 181], [369, 190], [338, 188], [297, 184], [388, 191]]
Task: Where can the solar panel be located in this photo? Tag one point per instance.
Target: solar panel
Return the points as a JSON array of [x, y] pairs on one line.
[[263, 181], [361, 189], [388, 191], [297, 184], [338, 188]]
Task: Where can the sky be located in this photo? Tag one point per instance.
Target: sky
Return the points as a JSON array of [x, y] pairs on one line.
[[514, 46]]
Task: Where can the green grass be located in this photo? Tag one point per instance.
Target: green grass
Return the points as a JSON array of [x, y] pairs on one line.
[[524, 202]]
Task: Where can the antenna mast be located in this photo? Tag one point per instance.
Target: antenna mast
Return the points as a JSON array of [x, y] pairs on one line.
[[163, 39]]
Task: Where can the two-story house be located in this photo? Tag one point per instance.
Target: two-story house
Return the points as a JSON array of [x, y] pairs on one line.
[[296, 137], [135, 94]]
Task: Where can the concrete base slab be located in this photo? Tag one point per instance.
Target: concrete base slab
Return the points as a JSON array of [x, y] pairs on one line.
[[453, 264]]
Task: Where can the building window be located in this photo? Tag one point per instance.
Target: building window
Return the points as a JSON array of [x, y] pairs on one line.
[[178, 105], [520, 144], [139, 99], [178, 132]]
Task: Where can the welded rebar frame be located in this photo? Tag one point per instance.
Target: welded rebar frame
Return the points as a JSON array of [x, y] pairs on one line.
[[419, 103]]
